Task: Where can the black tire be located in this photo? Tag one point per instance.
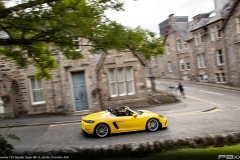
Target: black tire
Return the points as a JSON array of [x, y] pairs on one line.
[[104, 128], [153, 128]]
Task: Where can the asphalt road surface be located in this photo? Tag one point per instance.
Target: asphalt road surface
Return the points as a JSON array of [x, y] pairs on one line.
[[185, 119]]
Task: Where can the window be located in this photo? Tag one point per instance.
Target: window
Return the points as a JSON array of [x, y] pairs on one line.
[[200, 78], [121, 82], [179, 46], [220, 60], [181, 63], [188, 66], [186, 46], [196, 39], [112, 83], [238, 24], [220, 78], [169, 66], [76, 43], [201, 35], [36, 91], [186, 78], [201, 60], [153, 58], [212, 32], [218, 31], [167, 49], [203, 78]]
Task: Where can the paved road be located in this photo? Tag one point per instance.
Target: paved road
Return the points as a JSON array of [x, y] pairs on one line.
[[226, 99], [180, 126], [185, 120]]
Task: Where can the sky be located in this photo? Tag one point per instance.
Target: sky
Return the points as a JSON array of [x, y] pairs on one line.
[[149, 13]]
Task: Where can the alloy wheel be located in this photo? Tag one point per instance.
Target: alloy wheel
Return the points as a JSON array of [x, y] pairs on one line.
[[152, 125], [101, 130]]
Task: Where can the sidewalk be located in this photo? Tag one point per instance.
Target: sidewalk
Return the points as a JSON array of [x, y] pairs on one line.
[[30, 120], [201, 83]]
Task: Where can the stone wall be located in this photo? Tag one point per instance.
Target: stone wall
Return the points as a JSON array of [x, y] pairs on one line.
[[137, 149], [228, 43], [232, 39], [58, 94], [122, 60]]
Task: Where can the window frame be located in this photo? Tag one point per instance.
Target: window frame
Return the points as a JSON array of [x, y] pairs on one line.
[[212, 33], [77, 40], [132, 80], [188, 66], [124, 81], [238, 24], [179, 45], [201, 60], [218, 57], [181, 64], [170, 66], [115, 83], [196, 39], [31, 91], [220, 78], [167, 49], [201, 37], [218, 32]]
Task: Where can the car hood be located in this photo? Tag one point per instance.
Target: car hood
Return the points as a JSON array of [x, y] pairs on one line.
[[94, 115]]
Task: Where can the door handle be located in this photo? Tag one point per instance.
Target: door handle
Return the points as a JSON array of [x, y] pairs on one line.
[[119, 120]]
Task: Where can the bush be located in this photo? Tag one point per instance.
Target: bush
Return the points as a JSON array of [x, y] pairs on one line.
[[5, 147]]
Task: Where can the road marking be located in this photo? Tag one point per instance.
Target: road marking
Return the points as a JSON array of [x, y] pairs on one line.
[[211, 92], [215, 104]]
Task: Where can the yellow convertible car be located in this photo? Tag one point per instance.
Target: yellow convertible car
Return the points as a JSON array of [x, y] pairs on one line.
[[122, 119]]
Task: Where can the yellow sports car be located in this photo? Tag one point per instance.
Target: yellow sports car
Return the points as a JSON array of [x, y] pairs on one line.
[[122, 119]]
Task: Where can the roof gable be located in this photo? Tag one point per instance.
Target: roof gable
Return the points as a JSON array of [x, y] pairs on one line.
[[230, 13]]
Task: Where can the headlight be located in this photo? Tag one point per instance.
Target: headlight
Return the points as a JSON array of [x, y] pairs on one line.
[[88, 121], [160, 116]]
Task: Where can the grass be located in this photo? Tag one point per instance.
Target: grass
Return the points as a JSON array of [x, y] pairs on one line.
[[210, 153]]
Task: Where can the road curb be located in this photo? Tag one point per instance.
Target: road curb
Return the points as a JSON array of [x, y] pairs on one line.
[[38, 124]]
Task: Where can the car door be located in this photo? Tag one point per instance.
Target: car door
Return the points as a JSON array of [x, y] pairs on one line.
[[129, 123]]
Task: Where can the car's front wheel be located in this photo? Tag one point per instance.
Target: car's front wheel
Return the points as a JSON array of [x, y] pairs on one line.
[[152, 124], [102, 130]]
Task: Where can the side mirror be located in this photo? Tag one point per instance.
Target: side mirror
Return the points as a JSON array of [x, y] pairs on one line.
[[134, 115]]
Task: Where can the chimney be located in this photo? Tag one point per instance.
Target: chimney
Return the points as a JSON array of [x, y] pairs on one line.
[[219, 4], [171, 19]]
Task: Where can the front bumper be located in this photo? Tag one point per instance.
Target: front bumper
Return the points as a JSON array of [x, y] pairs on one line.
[[163, 121], [87, 127]]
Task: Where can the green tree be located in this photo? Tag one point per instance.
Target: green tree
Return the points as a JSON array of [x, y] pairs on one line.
[[29, 27]]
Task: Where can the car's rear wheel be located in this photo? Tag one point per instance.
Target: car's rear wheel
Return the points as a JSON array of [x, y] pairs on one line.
[[152, 124], [102, 130]]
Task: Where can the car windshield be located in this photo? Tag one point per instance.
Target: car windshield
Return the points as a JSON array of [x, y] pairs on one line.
[[138, 112]]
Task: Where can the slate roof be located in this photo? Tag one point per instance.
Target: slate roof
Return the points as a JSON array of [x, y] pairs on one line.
[[185, 29]]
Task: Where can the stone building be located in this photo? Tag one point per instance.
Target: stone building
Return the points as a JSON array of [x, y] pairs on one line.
[[205, 49], [119, 74]]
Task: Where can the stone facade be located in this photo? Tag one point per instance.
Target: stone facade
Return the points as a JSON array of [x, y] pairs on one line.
[[58, 92], [209, 48], [123, 60]]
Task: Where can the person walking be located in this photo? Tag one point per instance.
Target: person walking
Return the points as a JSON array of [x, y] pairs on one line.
[[180, 87]]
